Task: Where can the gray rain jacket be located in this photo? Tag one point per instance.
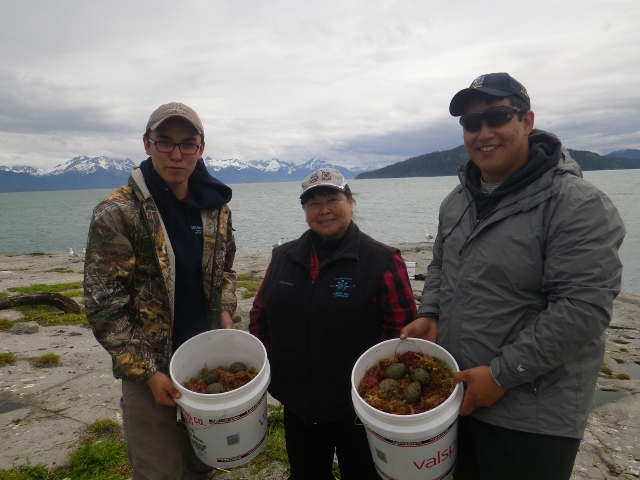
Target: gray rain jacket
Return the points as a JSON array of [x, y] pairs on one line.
[[529, 291]]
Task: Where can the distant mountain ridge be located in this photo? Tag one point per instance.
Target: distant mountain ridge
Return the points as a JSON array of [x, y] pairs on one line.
[[83, 173], [443, 164]]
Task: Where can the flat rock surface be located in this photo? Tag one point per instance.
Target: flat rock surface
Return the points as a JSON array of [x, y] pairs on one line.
[[43, 411]]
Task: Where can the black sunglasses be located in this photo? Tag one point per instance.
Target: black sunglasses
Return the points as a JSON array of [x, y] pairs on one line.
[[493, 117]]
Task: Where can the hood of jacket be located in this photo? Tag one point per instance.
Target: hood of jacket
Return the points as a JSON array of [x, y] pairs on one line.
[[545, 153], [205, 191]]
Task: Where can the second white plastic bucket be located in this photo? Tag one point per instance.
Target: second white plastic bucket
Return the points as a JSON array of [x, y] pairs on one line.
[[411, 269], [409, 447], [226, 429]]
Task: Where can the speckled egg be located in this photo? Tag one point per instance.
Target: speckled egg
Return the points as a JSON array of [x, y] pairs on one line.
[[396, 371], [420, 375], [216, 387], [413, 392], [388, 385], [236, 367]]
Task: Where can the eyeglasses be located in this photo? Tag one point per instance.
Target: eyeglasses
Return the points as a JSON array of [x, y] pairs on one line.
[[492, 116], [164, 146]]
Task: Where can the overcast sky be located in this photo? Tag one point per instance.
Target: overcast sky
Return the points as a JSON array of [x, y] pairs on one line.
[[351, 82]]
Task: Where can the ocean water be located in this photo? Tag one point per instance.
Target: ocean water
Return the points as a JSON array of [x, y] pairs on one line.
[[394, 210]]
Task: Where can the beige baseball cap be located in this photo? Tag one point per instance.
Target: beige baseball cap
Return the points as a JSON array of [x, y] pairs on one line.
[[324, 177], [175, 109]]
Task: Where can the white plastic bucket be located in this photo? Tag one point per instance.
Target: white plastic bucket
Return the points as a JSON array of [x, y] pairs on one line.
[[409, 447], [411, 269], [226, 429]]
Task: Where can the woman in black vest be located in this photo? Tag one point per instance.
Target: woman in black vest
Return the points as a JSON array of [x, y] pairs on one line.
[[325, 299]]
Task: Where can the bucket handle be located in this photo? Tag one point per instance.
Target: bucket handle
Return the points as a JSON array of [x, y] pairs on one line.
[[408, 340], [358, 422], [211, 422]]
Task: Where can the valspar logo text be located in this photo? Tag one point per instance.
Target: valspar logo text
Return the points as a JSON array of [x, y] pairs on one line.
[[441, 456]]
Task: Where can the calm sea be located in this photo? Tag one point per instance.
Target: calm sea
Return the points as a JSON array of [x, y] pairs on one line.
[[391, 210]]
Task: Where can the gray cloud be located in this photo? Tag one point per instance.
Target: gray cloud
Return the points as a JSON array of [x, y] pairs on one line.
[[33, 105], [367, 81]]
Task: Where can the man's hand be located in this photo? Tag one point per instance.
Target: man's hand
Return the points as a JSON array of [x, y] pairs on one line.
[[425, 328], [163, 390], [225, 320], [482, 390]]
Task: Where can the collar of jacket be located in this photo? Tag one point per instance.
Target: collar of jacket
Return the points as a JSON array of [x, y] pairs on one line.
[[138, 184], [298, 250]]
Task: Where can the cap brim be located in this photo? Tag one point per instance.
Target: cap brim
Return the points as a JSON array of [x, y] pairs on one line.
[[322, 185], [461, 99], [159, 122]]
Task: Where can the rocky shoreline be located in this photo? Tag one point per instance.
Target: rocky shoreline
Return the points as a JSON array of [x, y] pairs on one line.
[[43, 411]]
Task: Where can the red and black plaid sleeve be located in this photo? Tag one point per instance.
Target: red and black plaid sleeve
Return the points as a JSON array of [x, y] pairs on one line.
[[395, 297]]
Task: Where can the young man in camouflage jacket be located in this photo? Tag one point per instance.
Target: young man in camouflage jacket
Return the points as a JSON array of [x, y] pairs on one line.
[[158, 271]]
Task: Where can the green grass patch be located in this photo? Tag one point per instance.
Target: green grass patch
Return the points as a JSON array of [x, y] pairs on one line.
[[5, 323], [30, 473], [620, 376], [101, 455], [8, 358], [62, 270], [46, 361], [50, 315], [101, 460], [4, 294], [42, 288], [606, 370], [250, 283], [105, 428], [74, 293]]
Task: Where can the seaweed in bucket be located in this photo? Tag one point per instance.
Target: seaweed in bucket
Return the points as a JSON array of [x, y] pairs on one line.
[[221, 379], [407, 384]]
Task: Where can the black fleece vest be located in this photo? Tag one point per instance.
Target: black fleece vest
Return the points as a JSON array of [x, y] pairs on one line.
[[318, 330]]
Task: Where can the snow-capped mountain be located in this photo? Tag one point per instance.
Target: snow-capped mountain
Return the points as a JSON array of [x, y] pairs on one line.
[[102, 172], [89, 165], [22, 169], [274, 170]]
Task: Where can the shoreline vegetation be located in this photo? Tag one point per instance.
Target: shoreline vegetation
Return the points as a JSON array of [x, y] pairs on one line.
[[48, 412]]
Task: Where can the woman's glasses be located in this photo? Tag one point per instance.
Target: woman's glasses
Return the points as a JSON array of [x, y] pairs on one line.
[[492, 116]]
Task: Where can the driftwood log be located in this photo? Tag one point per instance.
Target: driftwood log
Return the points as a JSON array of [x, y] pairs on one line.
[[55, 299]]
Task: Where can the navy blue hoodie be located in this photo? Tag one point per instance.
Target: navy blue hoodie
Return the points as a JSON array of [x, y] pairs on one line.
[[183, 222]]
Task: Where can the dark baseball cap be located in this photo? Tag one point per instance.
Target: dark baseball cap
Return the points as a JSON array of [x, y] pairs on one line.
[[494, 84]]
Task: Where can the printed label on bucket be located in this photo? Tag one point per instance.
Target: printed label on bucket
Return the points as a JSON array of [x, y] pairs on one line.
[[244, 455], [419, 443], [234, 436], [427, 461]]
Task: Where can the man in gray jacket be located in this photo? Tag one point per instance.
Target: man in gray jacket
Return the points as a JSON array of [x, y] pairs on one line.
[[520, 289]]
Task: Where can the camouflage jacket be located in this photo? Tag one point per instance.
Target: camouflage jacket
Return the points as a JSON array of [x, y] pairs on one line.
[[129, 278]]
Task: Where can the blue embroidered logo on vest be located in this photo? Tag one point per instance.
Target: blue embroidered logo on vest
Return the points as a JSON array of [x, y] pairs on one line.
[[341, 286]]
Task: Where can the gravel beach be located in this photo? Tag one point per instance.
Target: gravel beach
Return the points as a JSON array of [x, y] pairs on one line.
[[43, 410]]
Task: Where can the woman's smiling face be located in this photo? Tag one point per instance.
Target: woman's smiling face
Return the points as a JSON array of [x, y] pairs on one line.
[[329, 215]]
